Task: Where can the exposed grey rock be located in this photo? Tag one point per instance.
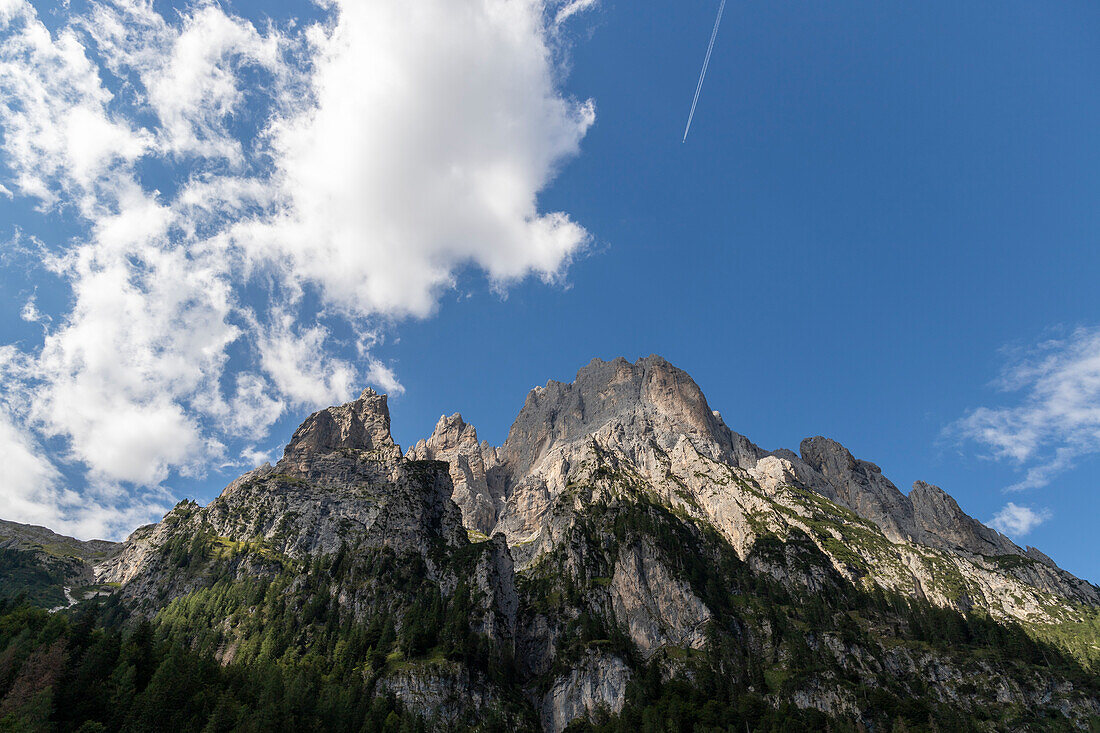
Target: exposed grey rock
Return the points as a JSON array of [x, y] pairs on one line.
[[657, 609], [651, 395], [621, 435], [362, 425], [495, 577], [598, 682], [938, 515], [342, 482], [447, 694], [456, 442], [860, 486], [651, 422], [1036, 554]]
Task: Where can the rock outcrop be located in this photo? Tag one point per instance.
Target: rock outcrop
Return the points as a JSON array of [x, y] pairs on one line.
[[940, 519], [650, 399], [342, 482], [598, 683], [657, 609], [53, 564], [477, 494], [860, 486], [650, 421]]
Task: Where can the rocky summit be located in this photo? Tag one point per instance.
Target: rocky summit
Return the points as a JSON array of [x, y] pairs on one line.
[[624, 561]]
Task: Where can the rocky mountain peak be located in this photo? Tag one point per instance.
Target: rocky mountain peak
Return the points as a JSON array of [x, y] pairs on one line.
[[648, 394], [860, 486], [928, 514], [451, 431], [476, 492], [938, 514], [360, 425]]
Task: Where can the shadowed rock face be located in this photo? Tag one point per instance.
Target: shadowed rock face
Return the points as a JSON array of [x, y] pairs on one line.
[[342, 481], [861, 487], [937, 514]]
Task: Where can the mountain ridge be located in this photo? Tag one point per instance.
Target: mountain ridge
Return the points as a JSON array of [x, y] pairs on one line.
[[622, 541]]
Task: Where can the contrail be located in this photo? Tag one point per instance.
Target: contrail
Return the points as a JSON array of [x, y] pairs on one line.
[[703, 73]]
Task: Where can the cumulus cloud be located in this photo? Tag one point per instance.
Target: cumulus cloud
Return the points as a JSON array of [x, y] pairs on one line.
[[431, 135], [295, 361], [252, 206], [34, 489], [1017, 521], [30, 479], [1055, 418]]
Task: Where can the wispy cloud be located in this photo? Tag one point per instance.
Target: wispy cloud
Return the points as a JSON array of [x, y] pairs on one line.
[[326, 178], [1018, 521], [569, 8], [1053, 419], [383, 376]]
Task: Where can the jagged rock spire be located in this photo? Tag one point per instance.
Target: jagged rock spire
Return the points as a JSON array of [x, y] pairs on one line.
[[469, 462], [360, 425], [861, 487]]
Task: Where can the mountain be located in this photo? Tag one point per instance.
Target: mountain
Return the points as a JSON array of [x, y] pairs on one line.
[[623, 561], [47, 567]]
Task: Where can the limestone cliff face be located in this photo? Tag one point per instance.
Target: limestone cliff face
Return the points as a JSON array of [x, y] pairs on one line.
[[478, 495], [609, 506], [860, 486], [939, 517], [346, 431], [650, 399], [597, 683], [657, 609]]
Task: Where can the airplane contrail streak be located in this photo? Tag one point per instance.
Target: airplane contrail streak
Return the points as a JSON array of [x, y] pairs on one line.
[[703, 73]]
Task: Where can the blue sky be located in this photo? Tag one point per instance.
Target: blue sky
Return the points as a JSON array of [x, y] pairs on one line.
[[882, 229]]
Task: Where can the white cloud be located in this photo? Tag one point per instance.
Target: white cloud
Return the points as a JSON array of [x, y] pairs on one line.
[[431, 135], [1017, 521], [1056, 419], [296, 359], [59, 138], [33, 493], [326, 178], [571, 8], [30, 480], [252, 456], [382, 376], [191, 74], [147, 335], [30, 313]]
